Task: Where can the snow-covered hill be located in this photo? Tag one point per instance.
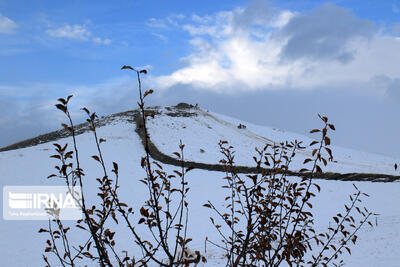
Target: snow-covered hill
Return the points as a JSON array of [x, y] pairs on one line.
[[202, 130], [21, 245]]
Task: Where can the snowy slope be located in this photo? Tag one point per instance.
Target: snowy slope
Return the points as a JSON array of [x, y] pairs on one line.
[[21, 245], [203, 130]]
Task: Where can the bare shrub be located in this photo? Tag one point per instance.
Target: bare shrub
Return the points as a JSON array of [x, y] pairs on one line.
[[268, 219]]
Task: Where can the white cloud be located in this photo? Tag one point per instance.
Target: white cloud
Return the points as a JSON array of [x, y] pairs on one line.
[[217, 25], [98, 40], [161, 25], [204, 19], [174, 19], [7, 26], [160, 36], [171, 20], [246, 50], [77, 32], [156, 23], [71, 32], [225, 56]]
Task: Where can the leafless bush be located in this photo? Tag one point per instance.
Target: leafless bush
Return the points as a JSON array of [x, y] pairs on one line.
[[164, 212], [268, 216]]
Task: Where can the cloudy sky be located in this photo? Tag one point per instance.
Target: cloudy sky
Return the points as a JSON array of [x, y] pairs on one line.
[[275, 63]]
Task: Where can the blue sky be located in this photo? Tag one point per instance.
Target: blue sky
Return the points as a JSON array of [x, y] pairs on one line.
[[276, 63]]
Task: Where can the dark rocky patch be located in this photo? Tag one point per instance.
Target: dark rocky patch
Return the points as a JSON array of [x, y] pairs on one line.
[[183, 105], [59, 134]]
